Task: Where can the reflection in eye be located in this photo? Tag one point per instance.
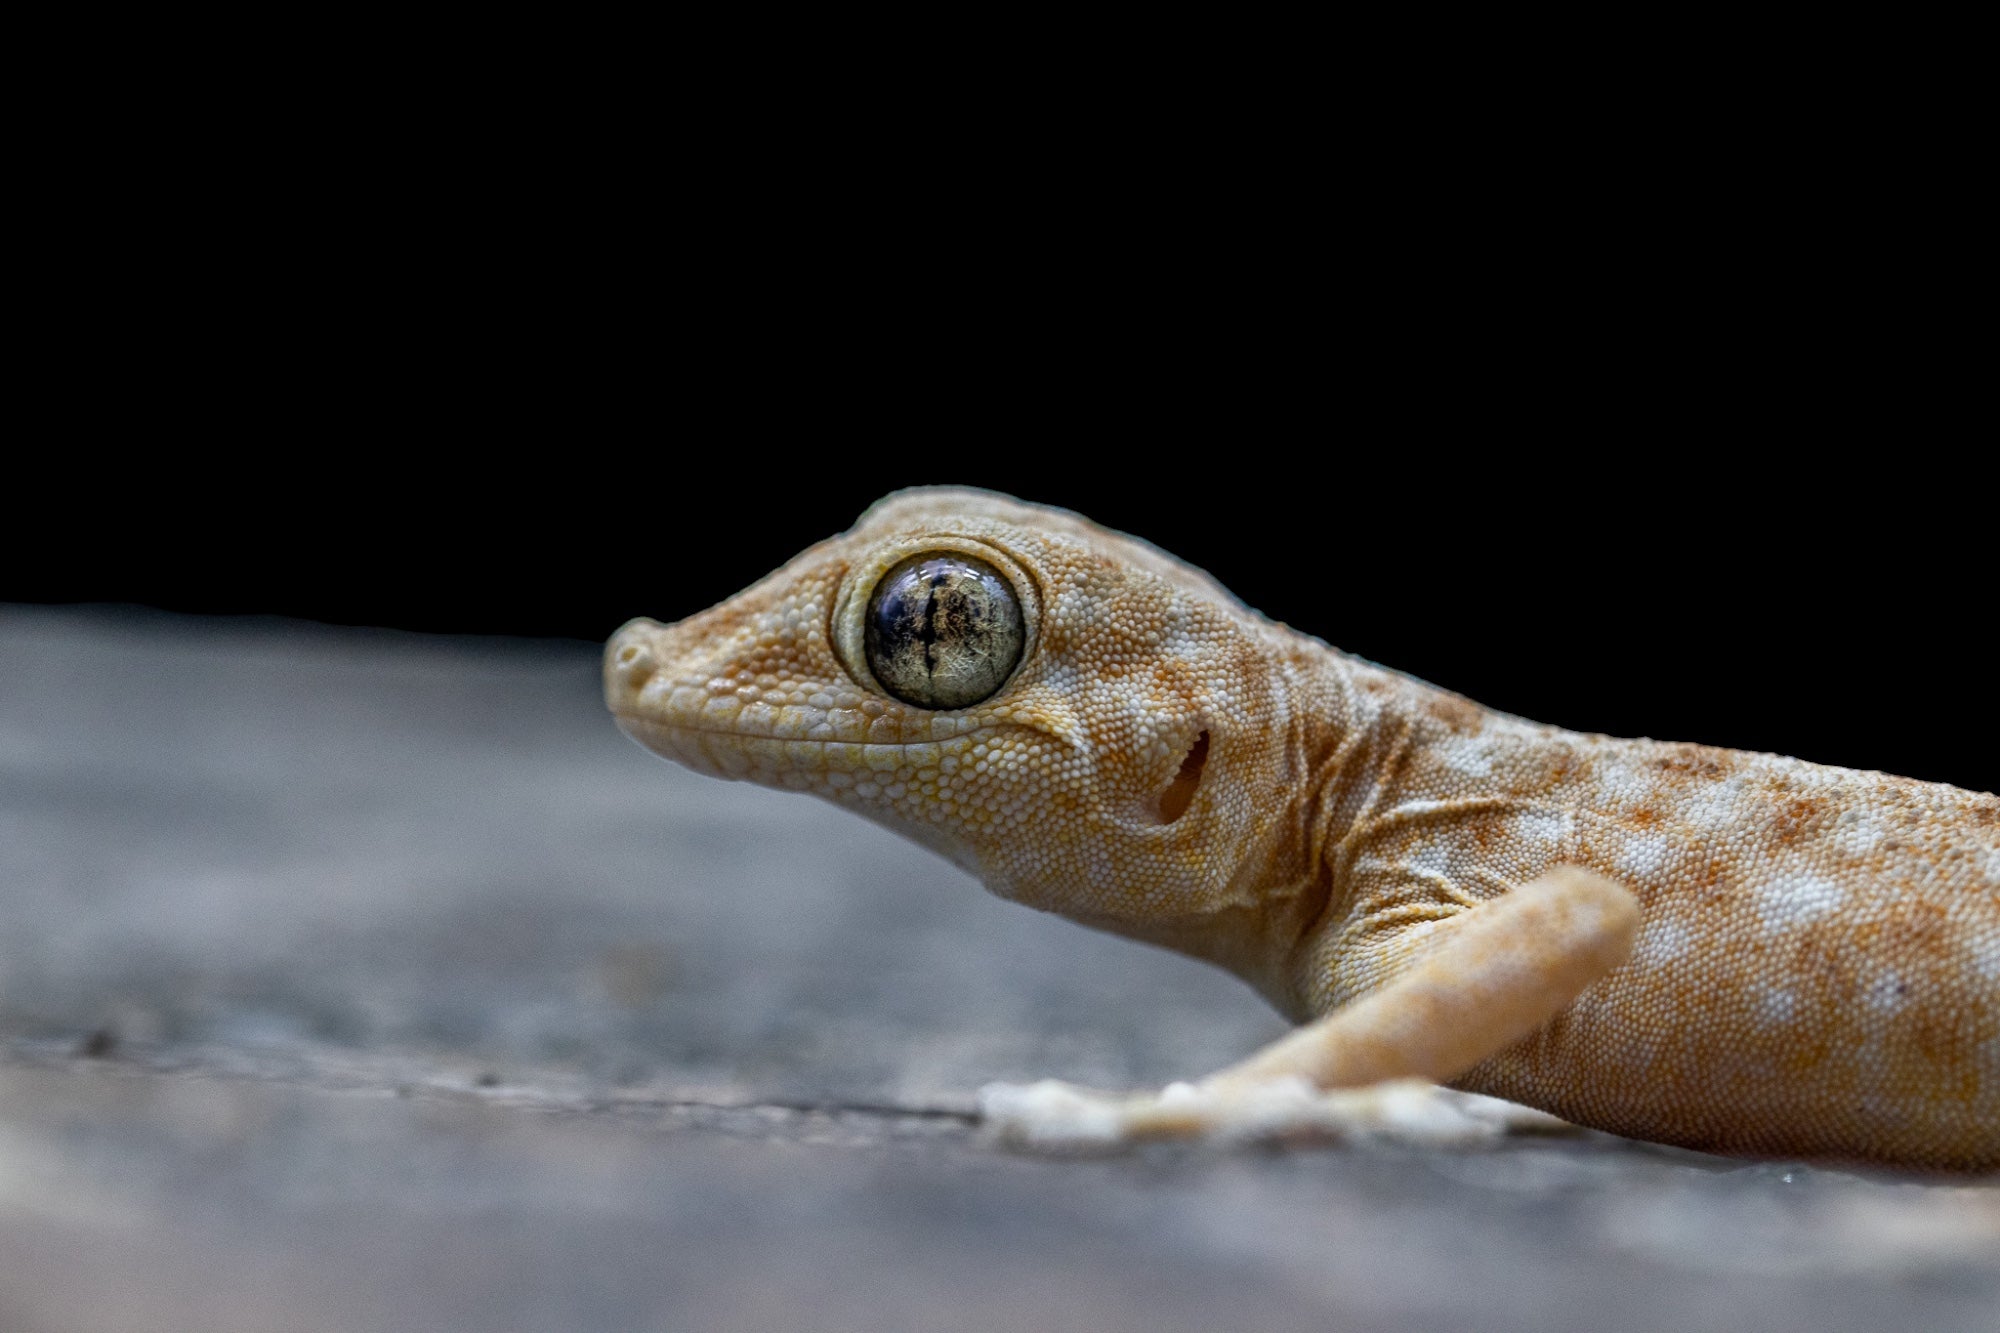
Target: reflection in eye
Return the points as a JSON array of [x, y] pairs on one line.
[[943, 630]]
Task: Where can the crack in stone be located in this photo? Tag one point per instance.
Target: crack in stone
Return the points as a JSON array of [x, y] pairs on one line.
[[302, 1070]]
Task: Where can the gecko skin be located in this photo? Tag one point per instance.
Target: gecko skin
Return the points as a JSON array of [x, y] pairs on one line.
[[1736, 952]]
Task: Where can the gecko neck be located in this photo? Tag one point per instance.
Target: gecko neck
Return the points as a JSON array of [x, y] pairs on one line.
[[1347, 725]]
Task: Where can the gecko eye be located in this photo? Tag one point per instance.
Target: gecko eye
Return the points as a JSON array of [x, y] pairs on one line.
[[943, 630]]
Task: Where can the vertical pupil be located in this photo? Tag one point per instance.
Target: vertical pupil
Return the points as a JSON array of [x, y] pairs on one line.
[[943, 630]]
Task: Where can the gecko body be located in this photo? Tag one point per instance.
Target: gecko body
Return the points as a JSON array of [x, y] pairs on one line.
[[1730, 951]]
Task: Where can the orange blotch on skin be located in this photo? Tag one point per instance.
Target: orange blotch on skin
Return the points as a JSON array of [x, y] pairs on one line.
[[1801, 819], [1459, 717]]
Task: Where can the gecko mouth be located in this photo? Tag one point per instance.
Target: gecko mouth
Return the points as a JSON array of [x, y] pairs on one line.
[[639, 726], [788, 760]]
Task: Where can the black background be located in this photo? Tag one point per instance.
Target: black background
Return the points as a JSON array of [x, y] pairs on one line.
[[1701, 474]]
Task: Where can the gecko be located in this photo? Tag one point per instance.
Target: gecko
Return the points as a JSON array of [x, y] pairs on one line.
[[1736, 952]]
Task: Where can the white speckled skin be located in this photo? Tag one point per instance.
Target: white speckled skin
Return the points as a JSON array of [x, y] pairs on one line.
[[1817, 966]]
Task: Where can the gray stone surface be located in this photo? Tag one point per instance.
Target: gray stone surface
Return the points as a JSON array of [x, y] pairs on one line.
[[366, 981]]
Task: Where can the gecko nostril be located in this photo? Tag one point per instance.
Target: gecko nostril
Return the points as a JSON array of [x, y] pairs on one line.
[[634, 663]]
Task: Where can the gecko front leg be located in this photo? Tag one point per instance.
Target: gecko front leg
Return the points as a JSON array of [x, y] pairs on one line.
[[1474, 984]]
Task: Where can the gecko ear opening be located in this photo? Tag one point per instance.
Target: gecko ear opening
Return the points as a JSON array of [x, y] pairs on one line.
[[1175, 799]]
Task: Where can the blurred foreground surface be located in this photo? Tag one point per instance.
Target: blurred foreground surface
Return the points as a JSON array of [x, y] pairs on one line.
[[364, 981]]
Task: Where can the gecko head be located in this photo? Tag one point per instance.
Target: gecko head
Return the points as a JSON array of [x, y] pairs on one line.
[[1082, 721]]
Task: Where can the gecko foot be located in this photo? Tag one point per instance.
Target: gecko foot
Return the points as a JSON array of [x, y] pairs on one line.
[[1054, 1116]]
